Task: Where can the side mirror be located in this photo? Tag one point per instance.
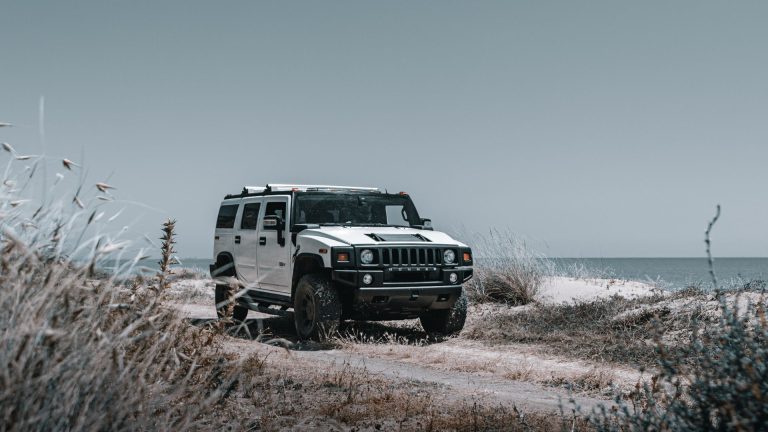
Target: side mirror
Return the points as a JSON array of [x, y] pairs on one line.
[[275, 223]]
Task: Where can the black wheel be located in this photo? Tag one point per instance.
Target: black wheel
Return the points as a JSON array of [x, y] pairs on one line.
[[316, 308], [224, 307], [446, 321]]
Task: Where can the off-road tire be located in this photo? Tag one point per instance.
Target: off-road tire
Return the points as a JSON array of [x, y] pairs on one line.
[[316, 308], [223, 293], [446, 321]]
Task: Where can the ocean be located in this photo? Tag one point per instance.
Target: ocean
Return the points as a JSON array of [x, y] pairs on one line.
[[671, 273]]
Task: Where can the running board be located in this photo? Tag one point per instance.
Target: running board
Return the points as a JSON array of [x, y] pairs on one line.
[[255, 299]]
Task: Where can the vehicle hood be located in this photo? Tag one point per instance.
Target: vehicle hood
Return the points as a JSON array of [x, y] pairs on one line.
[[386, 236]]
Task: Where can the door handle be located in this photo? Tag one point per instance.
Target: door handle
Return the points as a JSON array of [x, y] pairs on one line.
[[237, 239], [262, 241]]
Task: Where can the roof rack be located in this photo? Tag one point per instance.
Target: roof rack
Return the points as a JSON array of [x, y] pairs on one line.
[[272, 187], [277, 188]]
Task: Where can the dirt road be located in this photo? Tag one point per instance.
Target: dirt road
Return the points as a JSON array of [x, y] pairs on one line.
[[457, 368]]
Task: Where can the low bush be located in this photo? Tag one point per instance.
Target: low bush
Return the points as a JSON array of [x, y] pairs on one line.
[[717, 382], [507, 270]]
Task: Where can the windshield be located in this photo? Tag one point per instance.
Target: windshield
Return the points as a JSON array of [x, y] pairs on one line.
[[355, 209]]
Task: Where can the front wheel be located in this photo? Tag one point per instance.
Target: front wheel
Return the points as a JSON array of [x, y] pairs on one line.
[[316, 308], [446, 321]]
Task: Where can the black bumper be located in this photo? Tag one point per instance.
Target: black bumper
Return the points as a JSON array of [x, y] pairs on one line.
[[392, 300]]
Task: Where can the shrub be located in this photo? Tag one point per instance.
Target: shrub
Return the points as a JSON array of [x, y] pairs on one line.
[[717, 382], [506, 270]]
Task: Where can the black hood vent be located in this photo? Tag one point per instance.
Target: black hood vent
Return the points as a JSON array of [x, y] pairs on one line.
[[398, 237]]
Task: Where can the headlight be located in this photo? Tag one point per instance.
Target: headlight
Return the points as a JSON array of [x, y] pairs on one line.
[[453, 278], [449, 256], [367, 279], [366, 256]]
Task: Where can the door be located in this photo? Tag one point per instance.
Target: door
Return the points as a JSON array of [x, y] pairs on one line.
[[274, 271], [246, 242]]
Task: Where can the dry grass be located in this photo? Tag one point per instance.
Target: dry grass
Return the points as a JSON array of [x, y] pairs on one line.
[[79, 353], [507, 270], [353, 397], [594, 381], [615, 330]]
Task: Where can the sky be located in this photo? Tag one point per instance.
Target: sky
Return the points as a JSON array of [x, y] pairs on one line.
[[592, 129]]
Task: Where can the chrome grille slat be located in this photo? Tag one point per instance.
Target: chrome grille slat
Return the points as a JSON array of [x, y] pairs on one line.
[[408, 256]]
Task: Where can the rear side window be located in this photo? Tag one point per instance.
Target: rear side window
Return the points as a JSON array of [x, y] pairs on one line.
[[226, 217], [250, 216]]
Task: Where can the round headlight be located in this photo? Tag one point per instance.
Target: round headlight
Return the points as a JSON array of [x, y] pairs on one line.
[[453, 277], [367, 279], [366, 256], [449, 256]]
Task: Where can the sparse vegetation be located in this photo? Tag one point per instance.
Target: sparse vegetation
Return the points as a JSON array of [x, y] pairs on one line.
[[616, 330], [587, 330]]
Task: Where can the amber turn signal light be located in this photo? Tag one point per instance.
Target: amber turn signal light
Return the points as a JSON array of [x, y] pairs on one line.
[[342, 257], [467, 257]]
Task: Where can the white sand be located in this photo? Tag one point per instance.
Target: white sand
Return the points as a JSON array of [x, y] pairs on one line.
[[565, 290]]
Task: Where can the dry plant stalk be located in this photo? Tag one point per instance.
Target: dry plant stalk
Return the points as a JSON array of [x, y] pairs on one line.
[[166, 253]]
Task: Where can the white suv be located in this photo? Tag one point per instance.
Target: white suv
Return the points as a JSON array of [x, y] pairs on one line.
[[337, 252]]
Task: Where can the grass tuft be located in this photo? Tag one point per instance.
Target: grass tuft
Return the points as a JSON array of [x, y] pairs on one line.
[[507, 270]]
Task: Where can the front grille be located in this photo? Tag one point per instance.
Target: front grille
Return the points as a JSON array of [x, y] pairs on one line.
[[411, 256]]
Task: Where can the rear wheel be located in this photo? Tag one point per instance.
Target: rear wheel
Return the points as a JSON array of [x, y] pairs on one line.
[[316, 308], [226, 304], [446, 321]]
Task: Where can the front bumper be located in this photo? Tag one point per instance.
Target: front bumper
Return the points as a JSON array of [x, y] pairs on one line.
[[403, 277], [389, 296]]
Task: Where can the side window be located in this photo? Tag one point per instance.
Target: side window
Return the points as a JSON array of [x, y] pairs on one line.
[[250, 216], [275, 208], [226, 217]]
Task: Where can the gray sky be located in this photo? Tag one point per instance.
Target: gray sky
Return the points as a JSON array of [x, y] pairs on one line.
[[597, 128]]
